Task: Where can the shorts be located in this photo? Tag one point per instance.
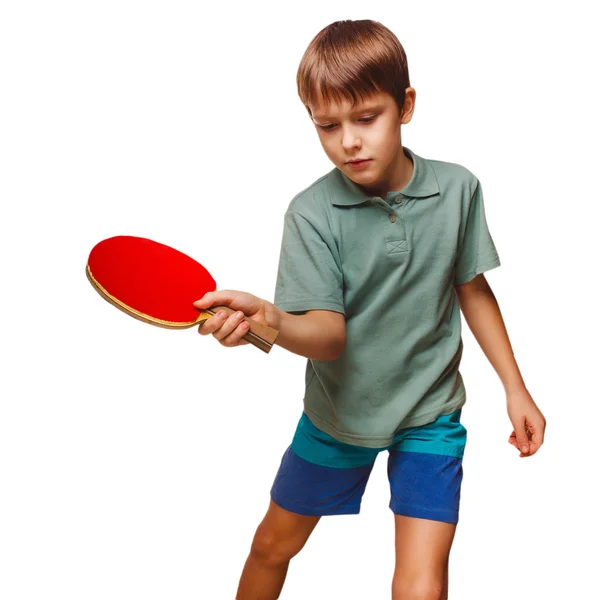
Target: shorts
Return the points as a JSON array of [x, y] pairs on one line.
[[321, 476]]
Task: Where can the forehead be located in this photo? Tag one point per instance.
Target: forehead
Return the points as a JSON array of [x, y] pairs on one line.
[[338, 109]]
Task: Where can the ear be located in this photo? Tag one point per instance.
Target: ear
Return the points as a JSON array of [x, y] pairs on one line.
[[409, 105]]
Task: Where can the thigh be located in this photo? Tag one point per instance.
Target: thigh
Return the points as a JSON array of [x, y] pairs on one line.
[[425, 470], [321, 476], [422, 556]]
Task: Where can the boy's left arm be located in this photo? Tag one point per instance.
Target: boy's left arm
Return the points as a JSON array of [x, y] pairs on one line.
[[482, 313]]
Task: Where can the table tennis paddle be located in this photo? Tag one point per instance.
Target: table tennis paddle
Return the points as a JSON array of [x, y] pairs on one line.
[[158, 284]]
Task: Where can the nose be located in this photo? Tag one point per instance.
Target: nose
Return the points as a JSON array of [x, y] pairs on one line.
[[350, 139]]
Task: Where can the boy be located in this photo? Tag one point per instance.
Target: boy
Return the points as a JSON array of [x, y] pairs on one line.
[[378, 258]]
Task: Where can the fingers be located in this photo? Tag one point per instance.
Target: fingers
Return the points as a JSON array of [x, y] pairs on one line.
[[534, 437], [232, 330], [227, 329], [522, 439], [219, 298], [537, 439], [513, 441], [537, 430]]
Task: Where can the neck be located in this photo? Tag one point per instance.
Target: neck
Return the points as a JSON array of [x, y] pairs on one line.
[[395, 178]]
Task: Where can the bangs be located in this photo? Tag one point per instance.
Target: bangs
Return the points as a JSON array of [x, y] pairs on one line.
[[332, 83]]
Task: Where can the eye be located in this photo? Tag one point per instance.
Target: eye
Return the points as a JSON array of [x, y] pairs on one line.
[[331, 126]]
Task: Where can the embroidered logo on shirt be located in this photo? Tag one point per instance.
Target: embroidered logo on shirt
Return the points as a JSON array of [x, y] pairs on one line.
[[397, 247]]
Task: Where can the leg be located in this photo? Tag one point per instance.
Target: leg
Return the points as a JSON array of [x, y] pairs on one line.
[[425, 473], [279, 537], [318, 476], [422, 553]]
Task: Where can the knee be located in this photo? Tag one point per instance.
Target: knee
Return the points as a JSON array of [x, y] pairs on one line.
[[418, 589], [272, 549]]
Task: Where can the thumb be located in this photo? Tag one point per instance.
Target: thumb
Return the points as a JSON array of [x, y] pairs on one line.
[[522, 439]]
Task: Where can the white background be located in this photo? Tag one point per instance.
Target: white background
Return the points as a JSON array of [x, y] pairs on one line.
[[136, 462]]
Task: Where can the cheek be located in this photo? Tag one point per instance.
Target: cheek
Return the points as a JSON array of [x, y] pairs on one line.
[[389, 140], [329, 145]]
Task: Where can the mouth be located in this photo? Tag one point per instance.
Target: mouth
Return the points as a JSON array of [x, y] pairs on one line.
[[358, 162]]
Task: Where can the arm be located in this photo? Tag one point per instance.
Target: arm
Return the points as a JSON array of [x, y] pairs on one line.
[[482, 313], [316, 334]]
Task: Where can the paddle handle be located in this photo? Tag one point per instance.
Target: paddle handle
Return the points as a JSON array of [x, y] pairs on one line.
[[259, 335]]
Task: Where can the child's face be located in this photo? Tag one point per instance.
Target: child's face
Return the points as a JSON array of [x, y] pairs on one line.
[[369, 131]]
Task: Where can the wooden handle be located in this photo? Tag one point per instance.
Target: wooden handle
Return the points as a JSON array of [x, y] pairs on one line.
[[259, 335]]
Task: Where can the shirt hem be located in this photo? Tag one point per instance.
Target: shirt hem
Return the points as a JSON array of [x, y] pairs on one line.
[[381, 441], [299, 305], [488, 265]]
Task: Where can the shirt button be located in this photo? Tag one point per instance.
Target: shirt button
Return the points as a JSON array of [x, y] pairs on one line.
[[393, 218], [398, 200]]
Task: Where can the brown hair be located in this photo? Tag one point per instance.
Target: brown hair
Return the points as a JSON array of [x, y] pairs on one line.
[[352, 60]]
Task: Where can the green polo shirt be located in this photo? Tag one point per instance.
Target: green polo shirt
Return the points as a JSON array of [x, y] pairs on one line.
[[390, 267]]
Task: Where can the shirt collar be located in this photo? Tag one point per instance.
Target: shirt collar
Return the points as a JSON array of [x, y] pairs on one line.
[[423, 184]]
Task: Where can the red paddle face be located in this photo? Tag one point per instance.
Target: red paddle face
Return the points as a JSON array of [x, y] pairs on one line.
[[148, 279]]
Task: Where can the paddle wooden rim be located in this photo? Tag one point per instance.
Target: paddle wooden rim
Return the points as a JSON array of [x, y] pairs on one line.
[[203, 315]]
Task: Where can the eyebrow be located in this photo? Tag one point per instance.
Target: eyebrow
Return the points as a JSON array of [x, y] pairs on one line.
[[363, 108]]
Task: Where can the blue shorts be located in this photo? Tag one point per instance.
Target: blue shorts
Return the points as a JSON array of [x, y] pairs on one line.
[[321, 476]]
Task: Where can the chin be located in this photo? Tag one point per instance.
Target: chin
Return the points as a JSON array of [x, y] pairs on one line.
[[360, 178]]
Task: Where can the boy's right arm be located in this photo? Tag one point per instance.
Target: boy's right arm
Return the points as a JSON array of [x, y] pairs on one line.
[[316, 334]]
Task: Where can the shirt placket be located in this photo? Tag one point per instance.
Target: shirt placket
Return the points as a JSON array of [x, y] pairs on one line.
[[395, 229]]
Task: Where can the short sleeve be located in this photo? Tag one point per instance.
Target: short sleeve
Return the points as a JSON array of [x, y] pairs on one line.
[[477, 252], [309, 275]]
